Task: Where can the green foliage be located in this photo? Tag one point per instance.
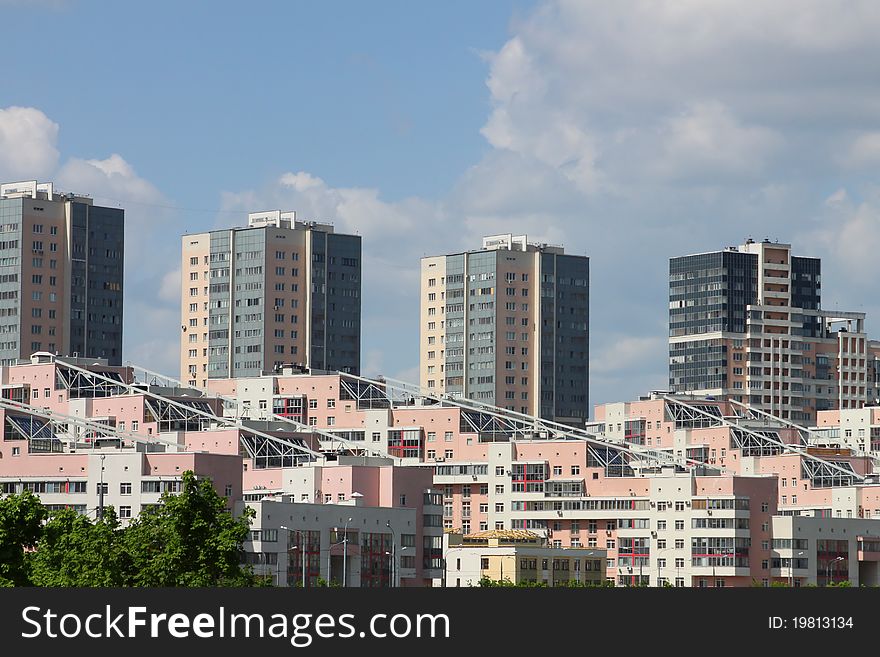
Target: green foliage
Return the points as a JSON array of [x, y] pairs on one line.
[[189, 540], [21, 523], [74, 551]]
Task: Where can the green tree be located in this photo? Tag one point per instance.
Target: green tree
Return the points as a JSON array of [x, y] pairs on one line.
[[74, 551], [189, 540], [21, 524]]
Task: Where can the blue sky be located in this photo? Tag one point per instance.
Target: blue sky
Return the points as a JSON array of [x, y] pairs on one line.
[[389, 94], [629, 131]]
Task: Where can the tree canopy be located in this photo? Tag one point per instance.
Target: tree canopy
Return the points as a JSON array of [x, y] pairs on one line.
[[190, 539]]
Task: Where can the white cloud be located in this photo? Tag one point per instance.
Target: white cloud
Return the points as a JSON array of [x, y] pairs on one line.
[[301, 181], [850, 235], [110, 179], [863, 151], [706, 141], [27, 144], [625, 353], [152, 256], [170, 287], [152, 335], [838, 197]]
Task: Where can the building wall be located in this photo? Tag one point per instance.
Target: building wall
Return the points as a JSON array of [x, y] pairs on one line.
[[328, 522], [61, 275], [278, 291], [508, 326]]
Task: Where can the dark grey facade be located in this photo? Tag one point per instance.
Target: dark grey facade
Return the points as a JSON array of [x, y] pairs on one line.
[[565, 336], [708, 293], [336, 302], [97, 239], [806, 292]]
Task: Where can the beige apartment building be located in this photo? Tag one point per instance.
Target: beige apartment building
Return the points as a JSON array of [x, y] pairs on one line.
[[61, 274], [275, 292], [508, 325]]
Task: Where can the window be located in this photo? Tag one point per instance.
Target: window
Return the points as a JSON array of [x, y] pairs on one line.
[[125, 512], [448, 454], [313, 403], [331, 403], [447, 437], [575, 469], [125, 488], [679, 525]]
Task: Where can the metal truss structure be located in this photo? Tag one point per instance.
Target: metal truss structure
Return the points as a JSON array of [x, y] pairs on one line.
[[829, 474], [805, 432], [493, 423], [756, 443], [188, 415], [43, 428], [333, 443], [85, 384], [766, 437], [693, 415], [271, 447], [366, 393]]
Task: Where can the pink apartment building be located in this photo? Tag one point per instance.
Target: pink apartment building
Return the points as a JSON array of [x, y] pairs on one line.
[[465, 470], [717, 525]]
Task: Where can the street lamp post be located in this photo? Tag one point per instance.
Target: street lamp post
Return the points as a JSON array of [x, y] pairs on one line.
[[791, 571], [393, 554], [302, 548], [831, 566], [345, 554]]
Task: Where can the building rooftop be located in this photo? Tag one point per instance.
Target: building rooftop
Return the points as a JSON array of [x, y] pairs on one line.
[[287, 219], [37, 190]]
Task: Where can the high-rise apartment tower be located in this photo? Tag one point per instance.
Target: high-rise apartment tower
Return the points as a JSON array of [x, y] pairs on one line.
[[747, 323], [508, 325], [61, 274], [276, 292]]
